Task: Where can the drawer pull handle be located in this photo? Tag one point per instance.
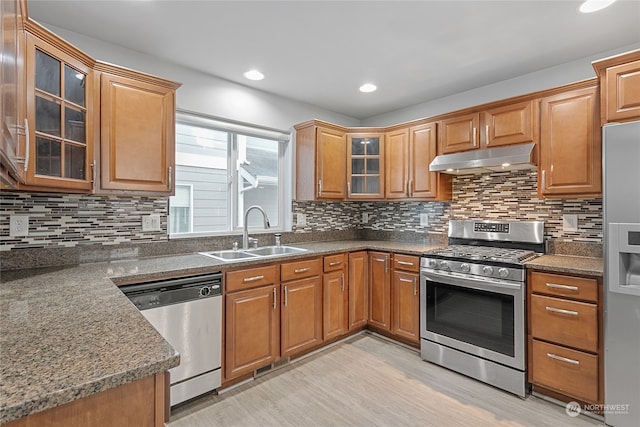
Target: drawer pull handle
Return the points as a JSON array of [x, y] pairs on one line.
[[565, 287], [402, 279], [301, 270], [561, 311], [333, 264], [252, 279], [404, 263], [563, 359]]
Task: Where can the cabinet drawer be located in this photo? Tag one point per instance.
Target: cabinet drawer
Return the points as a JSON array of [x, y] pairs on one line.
[[570, 372], [300, 269], [567, 286], [570, 323], [406, 262], [252, 277], [335, 262]]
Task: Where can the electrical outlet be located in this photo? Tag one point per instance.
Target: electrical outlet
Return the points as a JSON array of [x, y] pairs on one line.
[[151, 222], [365, 217], [424, 220], [569, 222], [18, 225], [301, 219]]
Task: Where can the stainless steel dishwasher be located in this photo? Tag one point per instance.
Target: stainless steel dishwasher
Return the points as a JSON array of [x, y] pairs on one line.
[[187, 312]]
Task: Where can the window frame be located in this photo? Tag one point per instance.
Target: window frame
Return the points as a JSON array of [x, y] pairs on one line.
[[233, 129]]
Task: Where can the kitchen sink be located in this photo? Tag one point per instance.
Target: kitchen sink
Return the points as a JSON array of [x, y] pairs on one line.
[[264, 251], [275, 250], [228, 255]]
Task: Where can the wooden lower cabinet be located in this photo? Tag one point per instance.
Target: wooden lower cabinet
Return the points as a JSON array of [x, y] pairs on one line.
[[336, 304], [405, 304], [379, 290], [565, 336], [137, 404], [358, 290], [301, 319], [252, 338]]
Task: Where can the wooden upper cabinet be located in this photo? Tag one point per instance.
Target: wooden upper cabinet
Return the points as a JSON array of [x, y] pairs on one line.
[[137, 138], [60, 113], [570, 144], [12, 95], [397, 164], [459, 133], [321, 162], [509, 124], [408, 153], [620, 87], [365, 166]]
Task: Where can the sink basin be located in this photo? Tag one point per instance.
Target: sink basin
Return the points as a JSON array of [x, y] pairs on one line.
[[228, 255], [264, 251], [274, 250]]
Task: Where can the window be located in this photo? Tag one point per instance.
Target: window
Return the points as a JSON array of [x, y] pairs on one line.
[[221, 170]]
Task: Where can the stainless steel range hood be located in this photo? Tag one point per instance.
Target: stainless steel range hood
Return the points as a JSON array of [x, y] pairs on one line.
[[499, 159]]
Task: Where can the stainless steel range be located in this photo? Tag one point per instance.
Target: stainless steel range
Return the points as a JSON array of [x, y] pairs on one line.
[[472, 303]]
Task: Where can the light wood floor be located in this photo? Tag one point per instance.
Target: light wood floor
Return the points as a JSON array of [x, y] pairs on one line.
[[368, 381]]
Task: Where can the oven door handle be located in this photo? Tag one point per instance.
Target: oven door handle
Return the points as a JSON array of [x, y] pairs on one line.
[[472, 283]]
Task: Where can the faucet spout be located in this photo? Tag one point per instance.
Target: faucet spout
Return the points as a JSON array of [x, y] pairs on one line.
[[245, 232]]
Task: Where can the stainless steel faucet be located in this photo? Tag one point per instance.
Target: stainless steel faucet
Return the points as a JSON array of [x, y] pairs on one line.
[[245, 234]]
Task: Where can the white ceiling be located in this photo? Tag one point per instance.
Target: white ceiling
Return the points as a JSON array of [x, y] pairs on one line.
[[320, 52]]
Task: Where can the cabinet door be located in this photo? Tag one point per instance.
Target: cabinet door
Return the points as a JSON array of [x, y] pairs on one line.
[[137, 136], [510, 124], [11, 93], [358, 290], [622, 91], [405, 321], [365, 166], [252, 330], [570, 148], [335, 303], [60, 118], [397, 158], [301, 315], [459, 134], [422, 150], [331, 155], [379, 290]]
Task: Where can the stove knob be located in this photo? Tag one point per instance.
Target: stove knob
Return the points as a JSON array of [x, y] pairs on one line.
[[465, 267], [444, 264], [488, 270], [433, 263], [503, 272]]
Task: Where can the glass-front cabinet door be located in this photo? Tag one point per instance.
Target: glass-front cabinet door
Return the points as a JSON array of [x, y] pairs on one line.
[[365, 166], [59, 101]]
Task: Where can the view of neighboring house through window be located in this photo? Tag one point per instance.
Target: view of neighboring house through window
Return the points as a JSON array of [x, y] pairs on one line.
[[220, 173]]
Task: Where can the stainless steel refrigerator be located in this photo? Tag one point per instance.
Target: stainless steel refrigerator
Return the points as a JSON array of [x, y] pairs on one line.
[[621, 199]]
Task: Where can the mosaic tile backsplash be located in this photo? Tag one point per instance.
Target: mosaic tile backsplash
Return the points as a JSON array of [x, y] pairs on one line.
[[72, 220], [67, 220]]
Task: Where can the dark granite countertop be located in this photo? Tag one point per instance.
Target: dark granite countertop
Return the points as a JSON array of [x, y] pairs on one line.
[[568, 264], [69, 333]]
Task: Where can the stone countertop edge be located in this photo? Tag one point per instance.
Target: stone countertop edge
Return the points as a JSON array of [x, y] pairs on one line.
[[568, 264], [59, 374]]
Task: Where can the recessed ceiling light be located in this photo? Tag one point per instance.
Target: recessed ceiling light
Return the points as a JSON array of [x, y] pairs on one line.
[[254, 75], [368, 87], [594, 5]]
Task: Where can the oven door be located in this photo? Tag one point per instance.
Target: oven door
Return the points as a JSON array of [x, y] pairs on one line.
[[481, 317]]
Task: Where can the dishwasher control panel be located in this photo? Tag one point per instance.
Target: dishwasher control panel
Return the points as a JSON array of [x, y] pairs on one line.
[[173, 291]]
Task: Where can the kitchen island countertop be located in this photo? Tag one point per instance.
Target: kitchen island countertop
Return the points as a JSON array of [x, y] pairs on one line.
[[67, 333]]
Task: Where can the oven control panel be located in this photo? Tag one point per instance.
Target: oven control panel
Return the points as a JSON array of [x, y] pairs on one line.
[[491, 227]]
